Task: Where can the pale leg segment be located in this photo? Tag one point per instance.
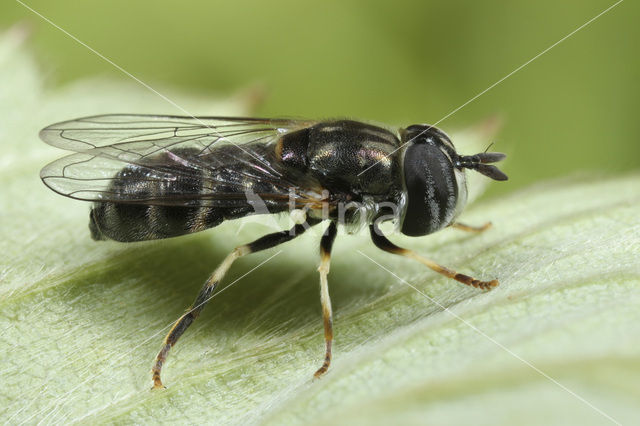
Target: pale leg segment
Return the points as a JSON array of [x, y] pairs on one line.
[[327, 315]]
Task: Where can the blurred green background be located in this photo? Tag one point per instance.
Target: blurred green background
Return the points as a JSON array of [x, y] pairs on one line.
[[573, 109]]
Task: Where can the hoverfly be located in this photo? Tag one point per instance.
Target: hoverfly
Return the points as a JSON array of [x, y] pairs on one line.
[[153, 177]]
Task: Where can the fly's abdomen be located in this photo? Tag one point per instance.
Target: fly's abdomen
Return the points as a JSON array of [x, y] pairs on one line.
[[197, 198], [138, 222]]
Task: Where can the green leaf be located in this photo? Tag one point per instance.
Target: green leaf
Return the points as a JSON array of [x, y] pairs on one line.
[[82, 321]]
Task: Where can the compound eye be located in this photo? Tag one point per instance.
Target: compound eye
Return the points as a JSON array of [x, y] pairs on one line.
[[432, 189]]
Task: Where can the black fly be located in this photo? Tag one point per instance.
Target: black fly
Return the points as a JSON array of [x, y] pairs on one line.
[[153, 177]]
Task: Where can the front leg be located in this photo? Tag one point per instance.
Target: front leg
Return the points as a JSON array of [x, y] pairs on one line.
[[464, 227], [383, 243]]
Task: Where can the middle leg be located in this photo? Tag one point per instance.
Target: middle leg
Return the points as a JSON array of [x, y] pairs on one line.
[[325, 252]]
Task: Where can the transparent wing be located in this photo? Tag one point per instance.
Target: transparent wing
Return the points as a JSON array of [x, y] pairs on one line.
[[172, 160]]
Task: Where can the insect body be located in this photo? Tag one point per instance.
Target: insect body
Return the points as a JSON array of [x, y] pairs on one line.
[[154, 177]]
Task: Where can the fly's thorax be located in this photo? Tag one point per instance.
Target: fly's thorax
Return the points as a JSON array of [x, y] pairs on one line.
[[344, 156], [357, 164], [435, 188]]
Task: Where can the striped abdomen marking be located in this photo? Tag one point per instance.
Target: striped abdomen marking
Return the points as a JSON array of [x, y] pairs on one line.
[[138, 222]]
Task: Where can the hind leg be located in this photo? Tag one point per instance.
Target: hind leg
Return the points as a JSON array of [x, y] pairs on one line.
[[266, 242]]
